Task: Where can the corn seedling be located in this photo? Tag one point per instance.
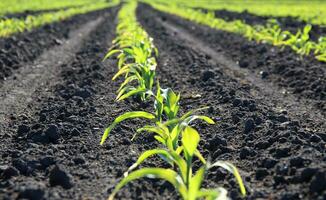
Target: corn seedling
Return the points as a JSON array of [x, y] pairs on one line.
[[166, 106], [183, 178], [135, 52]]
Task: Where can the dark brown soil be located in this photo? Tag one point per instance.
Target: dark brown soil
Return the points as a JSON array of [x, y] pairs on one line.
[[25, 47], [50, 149], [305, 77]]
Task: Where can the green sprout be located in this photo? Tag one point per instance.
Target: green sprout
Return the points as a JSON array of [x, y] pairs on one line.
[[135, 53], [166, 106], [183, 178]]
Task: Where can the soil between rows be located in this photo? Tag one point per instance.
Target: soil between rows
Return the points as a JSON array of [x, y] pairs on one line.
[[23, 48], [274, 151], [305, 77]]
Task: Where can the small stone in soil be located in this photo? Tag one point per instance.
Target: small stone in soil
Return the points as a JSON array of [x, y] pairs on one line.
[[47, 161], [269, 163], [307, 174], [237, 102], [249, 125], [9, 172], [75, 132], [282, 152], [52, 133], [207, 75], [261, 174], [245, 152], [297, 162], [79, 160], [23, 129], [84, 93], [263, 74], [243, 63], [32, 191], [318, 183], [60, 176], [217, 142], [21, 165]]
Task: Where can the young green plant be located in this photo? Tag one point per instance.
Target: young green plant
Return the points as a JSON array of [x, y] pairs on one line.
[[135, 52], [166, 106], [181, 174]]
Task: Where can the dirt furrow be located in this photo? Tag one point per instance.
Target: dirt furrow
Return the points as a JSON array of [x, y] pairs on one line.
[[16, 92], [280, 156], [40, 144], [262, 89], [23, 48], [304, 77]]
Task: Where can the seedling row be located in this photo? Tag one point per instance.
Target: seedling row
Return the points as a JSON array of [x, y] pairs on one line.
[[12, 26], [178, 140], [270, 33]]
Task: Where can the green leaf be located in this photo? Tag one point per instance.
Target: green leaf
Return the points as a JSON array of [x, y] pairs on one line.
[[190, 140], [181, 163], [232, 169], [128, 115], [202, 117], [112, 52], [123, 70], [128, 51], [193, 111], [131, 93], [121, 60], [126, 81], [153, 129], [160, 173], [195, 183], [160, 139], [219, 193], [200, 157], [124, 90], [162, 152]]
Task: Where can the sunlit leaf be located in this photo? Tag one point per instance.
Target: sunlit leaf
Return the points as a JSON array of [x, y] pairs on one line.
[[128, 115]]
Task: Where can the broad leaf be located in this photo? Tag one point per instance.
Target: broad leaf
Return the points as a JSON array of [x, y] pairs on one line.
[[195, 183], [232, 169], [128, 115], [131, 93], [162, 152], [190, 140], [112, 52], [160, 173]]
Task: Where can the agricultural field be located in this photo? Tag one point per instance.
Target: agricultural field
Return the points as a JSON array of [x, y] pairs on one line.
[[156, 99]]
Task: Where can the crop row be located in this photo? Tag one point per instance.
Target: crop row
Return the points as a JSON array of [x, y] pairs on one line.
[[270, 33], [19, 6], [177, 139], [309, 11], [12, 26]]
